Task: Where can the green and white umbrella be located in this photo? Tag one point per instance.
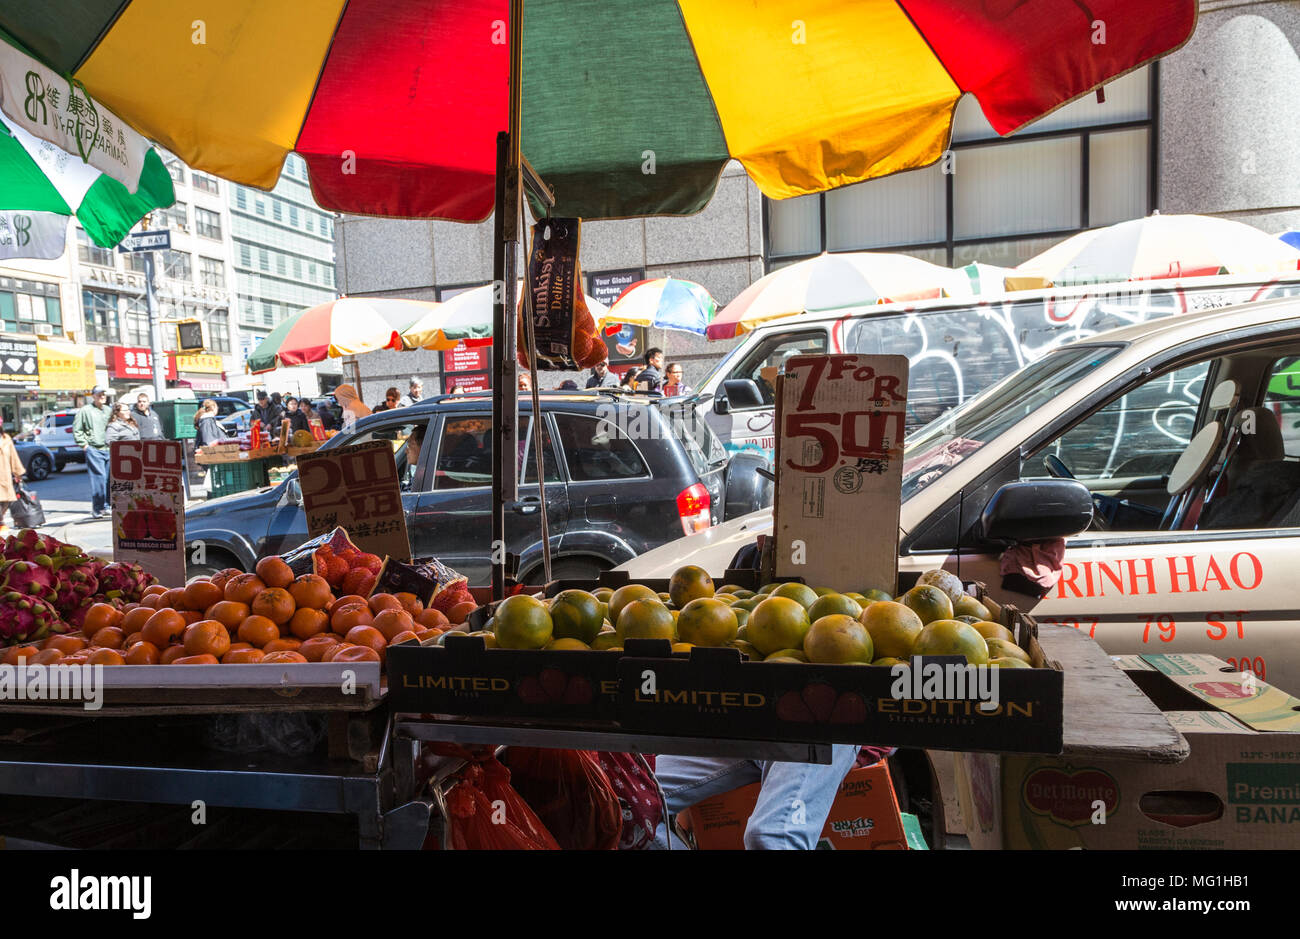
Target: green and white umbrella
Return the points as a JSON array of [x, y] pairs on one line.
[[109, 179]]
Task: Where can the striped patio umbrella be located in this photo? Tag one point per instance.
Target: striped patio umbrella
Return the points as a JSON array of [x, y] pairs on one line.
[[1162, 246], [663, 303], [630, 107], [467, 318], [347, 326], [834, 282]]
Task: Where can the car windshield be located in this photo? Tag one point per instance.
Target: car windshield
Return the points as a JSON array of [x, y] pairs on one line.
[[946, 441], [702, 446]]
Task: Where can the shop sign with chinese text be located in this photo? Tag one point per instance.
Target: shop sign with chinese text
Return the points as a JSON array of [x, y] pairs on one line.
[[148, 500]]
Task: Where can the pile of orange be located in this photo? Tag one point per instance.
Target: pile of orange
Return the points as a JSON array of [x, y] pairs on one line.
[[268, 616]]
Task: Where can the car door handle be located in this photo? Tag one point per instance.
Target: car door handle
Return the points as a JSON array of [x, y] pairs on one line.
[[525, 506]]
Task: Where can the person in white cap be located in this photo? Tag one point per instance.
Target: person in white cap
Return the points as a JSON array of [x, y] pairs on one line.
[[415, 394], [88, 430]]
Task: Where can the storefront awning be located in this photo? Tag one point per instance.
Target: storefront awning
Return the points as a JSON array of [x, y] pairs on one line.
[[65, 366]]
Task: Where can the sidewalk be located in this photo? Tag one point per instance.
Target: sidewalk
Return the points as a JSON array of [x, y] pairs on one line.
[[71, 523]]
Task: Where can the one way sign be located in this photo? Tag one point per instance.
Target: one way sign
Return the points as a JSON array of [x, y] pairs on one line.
[[146, 241]]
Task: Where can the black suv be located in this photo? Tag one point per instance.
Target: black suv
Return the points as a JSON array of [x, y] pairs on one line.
[[624, 474]]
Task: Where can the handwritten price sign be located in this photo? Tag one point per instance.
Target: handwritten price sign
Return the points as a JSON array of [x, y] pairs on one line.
[[839, 453], [147, 496], [356, 487]]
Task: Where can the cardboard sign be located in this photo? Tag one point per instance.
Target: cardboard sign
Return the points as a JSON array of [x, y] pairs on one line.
[[148, 499], [839, 458], [357, 488]]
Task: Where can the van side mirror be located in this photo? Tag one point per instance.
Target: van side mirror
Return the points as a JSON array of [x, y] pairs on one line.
[[293, 492], [741, 394], [1040, 510]]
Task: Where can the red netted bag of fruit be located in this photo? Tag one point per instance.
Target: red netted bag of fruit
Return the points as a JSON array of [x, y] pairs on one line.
[[346, 568]]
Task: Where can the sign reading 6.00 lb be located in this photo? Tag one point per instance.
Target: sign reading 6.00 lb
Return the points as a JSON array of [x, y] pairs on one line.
[[357, 488]]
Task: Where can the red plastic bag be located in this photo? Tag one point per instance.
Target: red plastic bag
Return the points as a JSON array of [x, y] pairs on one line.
[[633, 777], [485, 813], [571, 794]]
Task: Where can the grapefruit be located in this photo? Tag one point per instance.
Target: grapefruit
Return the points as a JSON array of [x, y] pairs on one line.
[[749, 602], [946, 581], [576, 614], [625, 595], [646, 618], [1003, 649], [804, 595], [993, 631], [707, 622], [876, 594], [689, 583], [889, 661], [682, 647], [837, 639], [777, 623], [928, 602], [966, 605], [949, 637], [748, 650], [743, 594], [566, 645], [787, 655], [1009, 663], [603, 593], [834, 603], [893, 628], [607, 639], [742, 617], [522, 622], [766, 589]]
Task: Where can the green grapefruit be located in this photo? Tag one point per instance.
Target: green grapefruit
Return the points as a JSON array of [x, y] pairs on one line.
[[707, 622], [522, 622], [577, 614], [777, 623], [646, 618], [929, 603]]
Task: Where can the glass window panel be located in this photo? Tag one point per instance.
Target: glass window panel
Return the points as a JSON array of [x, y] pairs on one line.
[[1118, 171], [794, 226], [1009, 253], [906, 208], [1127, 99], [1008, 189]]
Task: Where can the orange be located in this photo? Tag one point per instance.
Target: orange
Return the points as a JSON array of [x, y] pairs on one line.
[[101, 615], [46, 657], [132, 639], [153, 601], [689, 583], [163, 627], [355, 654], [350, 616], [461, 611], [282, 645], [643, 618], [105, 657], [65, 644], [423, 634], [276, 604], [522, 622], [403, 637], [258, 630], [308, 622], [207, 636], [132, 621], [391, 621], [311, 591], [384, 601], [777, 623], [174, 598], [228, 612], [893, 628], [328, 654], [110, 637], [345, 601], [314, 648], [191, 616], [410, 602], [170, 654], [367, 636], [245, 656], [142, 653], [204, 659], [706, 622], [152, 589], [15, 654], [239, 645], [202, 594], [242, 588], [625, 595], [432, 618], [274, 572], [220, 577], [283, 656]]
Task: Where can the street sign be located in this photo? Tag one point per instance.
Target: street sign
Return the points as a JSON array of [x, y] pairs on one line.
[[146, 241], [148, 500]]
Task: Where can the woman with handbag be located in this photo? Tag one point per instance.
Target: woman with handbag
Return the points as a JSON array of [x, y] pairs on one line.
[[11, 473]]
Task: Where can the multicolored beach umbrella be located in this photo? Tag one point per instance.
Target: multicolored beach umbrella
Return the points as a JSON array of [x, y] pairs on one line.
[[663, 303], [63, 154], [630, 107], [467, 318], [347, 326]]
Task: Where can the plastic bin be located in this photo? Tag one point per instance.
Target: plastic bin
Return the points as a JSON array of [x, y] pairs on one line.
[[177, 418], [226, 479]]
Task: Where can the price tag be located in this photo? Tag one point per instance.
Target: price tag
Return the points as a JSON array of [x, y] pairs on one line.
[[839, 461], [146, 492], [356, 487]]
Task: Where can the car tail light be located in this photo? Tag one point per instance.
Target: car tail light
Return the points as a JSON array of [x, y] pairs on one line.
[[693, 504]]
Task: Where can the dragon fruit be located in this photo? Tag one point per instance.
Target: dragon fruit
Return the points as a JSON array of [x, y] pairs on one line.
[[29, 544], [75, 581], [23, 619], [29, 578], [125, 581]]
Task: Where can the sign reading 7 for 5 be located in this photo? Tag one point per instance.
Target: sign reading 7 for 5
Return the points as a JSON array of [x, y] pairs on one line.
[[356, 488]]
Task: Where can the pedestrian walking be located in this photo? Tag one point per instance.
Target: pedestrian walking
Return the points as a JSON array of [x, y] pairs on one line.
[[121, 426], [88, 430], [415, 394], [392, 400], [146, 419], [674, 384], [602, 377], [11, 473], [630, 377], [651, 376]]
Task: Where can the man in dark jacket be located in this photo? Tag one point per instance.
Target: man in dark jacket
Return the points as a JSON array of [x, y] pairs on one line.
[[269, 413], [146, 419]]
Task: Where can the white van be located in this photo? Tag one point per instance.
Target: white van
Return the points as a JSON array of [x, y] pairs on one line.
[[957, 347]]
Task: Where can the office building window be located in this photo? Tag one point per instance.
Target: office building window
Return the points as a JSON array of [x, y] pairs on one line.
[[259, 206], [207, 224], [263, 259], [99, 310], [281, 264], [205, 183], [176, 265], [134, 261], [212, 272], [178, 214], [293, 216], [219, 330], [268, 313], [91, 253], [177, 171], [22, 312], [241, 197], [277, 210]]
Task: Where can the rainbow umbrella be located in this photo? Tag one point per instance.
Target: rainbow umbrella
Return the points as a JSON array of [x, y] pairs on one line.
[[347, 326], [1162, 246], [834, 282], [467, 318], [630, 107], [663, 303]]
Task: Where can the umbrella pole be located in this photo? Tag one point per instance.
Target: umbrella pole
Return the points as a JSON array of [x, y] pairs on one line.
[[505, 275]]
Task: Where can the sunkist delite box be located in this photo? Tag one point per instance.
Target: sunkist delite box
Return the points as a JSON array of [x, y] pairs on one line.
[[1239, 788]]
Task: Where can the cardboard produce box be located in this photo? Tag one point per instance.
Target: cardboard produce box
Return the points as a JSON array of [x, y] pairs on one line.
[[1239, 788]]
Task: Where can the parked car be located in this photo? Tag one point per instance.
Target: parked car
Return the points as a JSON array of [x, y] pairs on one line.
[[623, 476], [1196, 526], [54, 432], [237, 422], [37, 459]]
